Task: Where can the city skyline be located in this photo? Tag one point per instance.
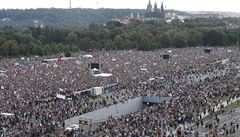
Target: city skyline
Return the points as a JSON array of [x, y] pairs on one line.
[[183, 5]]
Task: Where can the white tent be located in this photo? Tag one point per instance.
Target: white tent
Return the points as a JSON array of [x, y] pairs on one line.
[[143, 69], [225, 61], [72, 127], [68, 58], [152, 79], [103, 75], [87, 56], [3, 75], [143, 82], [2, 71], [7, 114], [55, 59], [98, 90], [16, 64], [162, 78], [95, 69]]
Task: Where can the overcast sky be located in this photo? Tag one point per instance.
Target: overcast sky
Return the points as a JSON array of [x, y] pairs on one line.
[[185, 5]]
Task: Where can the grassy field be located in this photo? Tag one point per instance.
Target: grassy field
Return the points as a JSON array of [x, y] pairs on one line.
[[234, 105], [224, 98], [229, 107]]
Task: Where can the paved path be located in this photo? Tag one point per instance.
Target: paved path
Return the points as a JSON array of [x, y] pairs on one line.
[[225, 118]]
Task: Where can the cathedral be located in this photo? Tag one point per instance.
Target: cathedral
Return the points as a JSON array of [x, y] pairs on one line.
[[153, 13]]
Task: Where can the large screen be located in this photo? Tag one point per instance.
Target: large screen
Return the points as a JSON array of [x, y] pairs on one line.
[[166, 56], [207, 50], [95, 66]]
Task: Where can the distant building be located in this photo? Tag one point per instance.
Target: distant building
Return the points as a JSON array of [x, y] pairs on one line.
[[131, 16], [138, 16], [150, 14], [38, 24], [205, 15], [171, 15], [153, 13]]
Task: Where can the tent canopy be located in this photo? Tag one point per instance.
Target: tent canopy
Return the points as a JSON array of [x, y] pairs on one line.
[[2, 71], [103, 75], [143, 69], [95, 69], [87, 56], [7, 114]]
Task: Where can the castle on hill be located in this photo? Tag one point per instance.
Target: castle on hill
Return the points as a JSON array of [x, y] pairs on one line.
[[154, 13]]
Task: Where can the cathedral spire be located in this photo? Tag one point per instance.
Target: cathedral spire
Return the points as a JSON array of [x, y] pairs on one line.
[[149, 7], [155, 7], [138, 16], [131, 15], [162, 11]]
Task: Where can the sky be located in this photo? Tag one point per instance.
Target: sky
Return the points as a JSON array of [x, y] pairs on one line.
[[183, 5]]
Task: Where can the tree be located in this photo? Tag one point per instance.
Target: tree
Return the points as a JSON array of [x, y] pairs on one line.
[[118, 42], [109, 45], [113, 24], [180, 40], [93, 27], [196, 39], [67, 54], [232, 39], [2, 40], [115, 32], [72, 38], [215, 38], [165, 40], [85, 44], [38, 50], [10, 48], [3, 51], [116, 36], [23, 50]]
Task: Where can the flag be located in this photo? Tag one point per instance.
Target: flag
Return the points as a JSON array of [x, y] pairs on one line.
[[59, 59]]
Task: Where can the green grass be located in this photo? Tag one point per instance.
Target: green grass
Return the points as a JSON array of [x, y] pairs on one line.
[[224, 98], [229, 107], [234, 105]]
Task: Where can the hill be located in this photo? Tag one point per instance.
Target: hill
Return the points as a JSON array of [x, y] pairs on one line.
[[62, 17]]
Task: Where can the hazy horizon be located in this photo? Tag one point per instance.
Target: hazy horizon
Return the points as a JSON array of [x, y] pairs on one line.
[[183, 5]]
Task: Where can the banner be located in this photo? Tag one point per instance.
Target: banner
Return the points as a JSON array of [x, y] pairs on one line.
[[61, 96], [110, 88]]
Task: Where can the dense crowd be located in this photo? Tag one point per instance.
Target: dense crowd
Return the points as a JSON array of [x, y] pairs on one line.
[[191, 77]]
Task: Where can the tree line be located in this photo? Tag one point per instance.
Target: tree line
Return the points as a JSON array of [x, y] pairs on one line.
[[55, 17], [116, 36], [61, 17]]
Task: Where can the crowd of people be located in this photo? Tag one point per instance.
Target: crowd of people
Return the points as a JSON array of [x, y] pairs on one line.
[[190, 77]]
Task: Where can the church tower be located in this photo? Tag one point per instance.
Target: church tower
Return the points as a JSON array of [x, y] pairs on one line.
[[153, 12], [155, 7], [138, 16], [149, 7], [162, 11], [131, 15]]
